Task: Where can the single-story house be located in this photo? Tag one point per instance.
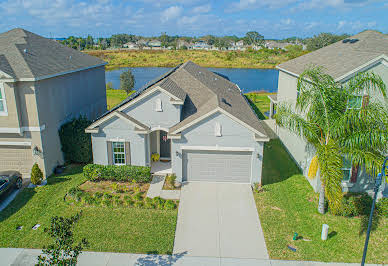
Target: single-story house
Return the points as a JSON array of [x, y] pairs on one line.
[[364, 52], [199, 123], [43, 84]]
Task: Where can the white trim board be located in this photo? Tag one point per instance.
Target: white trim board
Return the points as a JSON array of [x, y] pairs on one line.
[[217, 148], [15, 143], [20, 130]]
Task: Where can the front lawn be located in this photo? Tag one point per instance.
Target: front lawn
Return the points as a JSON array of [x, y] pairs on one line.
[[114, 229], [259, 102], [289, 205]]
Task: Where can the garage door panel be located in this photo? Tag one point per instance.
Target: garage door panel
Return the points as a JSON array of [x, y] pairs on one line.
[[217, 166], [16, 158]]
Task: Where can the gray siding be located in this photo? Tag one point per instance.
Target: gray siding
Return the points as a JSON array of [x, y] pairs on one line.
[[299, 149], [233, 135], [62, 98], [144, 111], [120, 130]]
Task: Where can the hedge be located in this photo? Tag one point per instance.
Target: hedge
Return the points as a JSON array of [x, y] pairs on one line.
[[76, 144], [97, 172]]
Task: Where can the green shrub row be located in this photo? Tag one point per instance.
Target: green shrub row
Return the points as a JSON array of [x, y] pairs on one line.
[[97, 172], [359, 204], [105, 199]]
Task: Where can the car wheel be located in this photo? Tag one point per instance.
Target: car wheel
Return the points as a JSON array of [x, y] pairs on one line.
[[19, 183]]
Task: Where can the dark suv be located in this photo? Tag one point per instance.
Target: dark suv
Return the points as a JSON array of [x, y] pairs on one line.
[[9, 180]]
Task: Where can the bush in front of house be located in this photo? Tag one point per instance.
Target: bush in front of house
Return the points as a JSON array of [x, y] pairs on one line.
[[382, 207], [97, 172], [355, 204], [76, 144], [36, 175]]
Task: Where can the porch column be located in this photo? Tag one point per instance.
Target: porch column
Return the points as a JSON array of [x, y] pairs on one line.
[[271, 109]]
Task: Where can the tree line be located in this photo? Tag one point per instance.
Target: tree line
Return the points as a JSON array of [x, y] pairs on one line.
[[250, 38]]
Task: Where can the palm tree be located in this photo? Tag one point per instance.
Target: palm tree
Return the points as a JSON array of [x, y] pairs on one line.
[[339, 121]]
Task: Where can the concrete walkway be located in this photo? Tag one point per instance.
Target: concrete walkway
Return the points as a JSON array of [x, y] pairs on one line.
[[156, 189], [27, 257], [219, 220]]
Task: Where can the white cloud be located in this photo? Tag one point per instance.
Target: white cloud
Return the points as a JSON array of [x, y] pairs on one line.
[[202, 9], [171, 13], [254, 4]]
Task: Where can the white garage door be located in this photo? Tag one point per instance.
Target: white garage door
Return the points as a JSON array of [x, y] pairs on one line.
[[16, 158], [217, 166]]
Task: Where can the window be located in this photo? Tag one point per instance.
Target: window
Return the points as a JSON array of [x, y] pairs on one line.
[[355, 102], [118, 149], [3, 105], [218, 130], [158, 105], [346, 169]]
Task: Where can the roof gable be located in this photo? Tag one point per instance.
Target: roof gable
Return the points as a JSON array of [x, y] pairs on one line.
[[342, 58], [25, 55]]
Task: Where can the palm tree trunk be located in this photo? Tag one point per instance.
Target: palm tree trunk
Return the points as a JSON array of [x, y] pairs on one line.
[[321, 202]]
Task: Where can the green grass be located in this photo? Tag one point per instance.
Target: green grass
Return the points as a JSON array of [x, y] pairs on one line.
[[114, 97], [259, 102], [289, 204], [111, 229]]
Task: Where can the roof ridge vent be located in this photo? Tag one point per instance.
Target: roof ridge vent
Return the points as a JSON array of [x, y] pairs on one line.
[[350, 40]]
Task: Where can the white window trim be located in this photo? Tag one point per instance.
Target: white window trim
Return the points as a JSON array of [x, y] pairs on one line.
[[357, 108], [218, 130], [158, 105], [350, 173], [4, 100], [113, 153]]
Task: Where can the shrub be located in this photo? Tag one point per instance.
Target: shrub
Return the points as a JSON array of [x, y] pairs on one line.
[[118, 202], [169, 205], [107, 195], [137, 197], [171, 180], [88, 199], [76, 144], [73, 191], [155, 157], [36, 175], [127, 197], [96, 172], [355, 204], [382, 207], [129, 202], [107, 202], [138, 204], [98, 195], [159, 202]]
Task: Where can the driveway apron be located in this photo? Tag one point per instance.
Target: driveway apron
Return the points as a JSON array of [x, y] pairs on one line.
[[219, 220]]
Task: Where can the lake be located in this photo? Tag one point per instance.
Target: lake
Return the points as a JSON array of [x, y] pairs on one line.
[[247, 79]]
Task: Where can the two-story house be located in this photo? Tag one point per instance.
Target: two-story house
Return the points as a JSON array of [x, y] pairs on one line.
[[43, 84], [364, 52], [199, 123]]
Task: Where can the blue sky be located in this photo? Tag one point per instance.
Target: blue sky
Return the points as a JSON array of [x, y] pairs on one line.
[[272, 18]]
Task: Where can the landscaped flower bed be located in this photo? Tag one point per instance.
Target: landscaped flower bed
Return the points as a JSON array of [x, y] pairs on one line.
[[116, 194], [169, 183]]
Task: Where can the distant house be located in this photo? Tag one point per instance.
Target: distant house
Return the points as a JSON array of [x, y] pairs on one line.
[[276, 45], [183, 43], [43, 84], [201, 45], [342, 60], [154, 44], [237, 46], [131, 45]]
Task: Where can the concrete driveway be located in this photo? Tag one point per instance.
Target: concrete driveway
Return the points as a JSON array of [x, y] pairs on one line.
[[219, 220]]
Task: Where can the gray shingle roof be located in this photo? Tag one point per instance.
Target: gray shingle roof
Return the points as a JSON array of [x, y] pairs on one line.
[[202, 92], [341, 58], [26, 55]]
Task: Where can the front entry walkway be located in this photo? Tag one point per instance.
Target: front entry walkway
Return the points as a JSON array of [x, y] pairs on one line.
[[161, 168], [219, 220]]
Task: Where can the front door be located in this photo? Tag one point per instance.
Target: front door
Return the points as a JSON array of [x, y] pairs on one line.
[[165, 145]]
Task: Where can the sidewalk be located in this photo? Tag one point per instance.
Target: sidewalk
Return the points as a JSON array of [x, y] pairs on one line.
[[27, 257]]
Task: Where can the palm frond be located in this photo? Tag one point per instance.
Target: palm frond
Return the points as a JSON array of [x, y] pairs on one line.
[[371, 160], [368, 83]]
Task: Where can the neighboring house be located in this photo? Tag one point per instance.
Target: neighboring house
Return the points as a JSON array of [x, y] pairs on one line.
[[199, 122], [201, 45], [154, 44], [131, 45], [42, 85], [182, 43], [276, 45], [364, 52]]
